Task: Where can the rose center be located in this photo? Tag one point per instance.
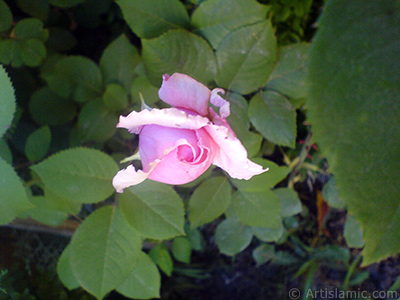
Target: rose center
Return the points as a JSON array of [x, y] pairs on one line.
[[185, 153]]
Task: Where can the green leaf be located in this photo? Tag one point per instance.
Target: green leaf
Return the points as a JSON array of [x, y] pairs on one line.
[[353, 233], [77, 77], [64, 270], [13, 200], [80, 174], [354, 107], [36, 8], [65, 3], [160, 255], [268, 234], [289, 75], [6, 18], [214, 19], [263, 181], [232, 236], [267, 253], [47, 108], [149, 92], [274, 117], [149, 19], [5, 151], [290, 202], [178, 51], [38, 144], [154, 209], [7, 51], [96, 123], [61, 39], [196, 238], [246, 58], [7, 101], [33, 52], [118, 61], [331, 194], [261, 209], [240, 123], [31, 28], [104, 251], [181, 249], [144, 282], [209, 201], [115, 97]]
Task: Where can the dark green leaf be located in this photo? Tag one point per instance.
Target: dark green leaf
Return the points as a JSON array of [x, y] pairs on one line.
[[47, 108], [104, 251], [65, 3], [35, 8], [261, 209], [30, 28], [160, 255], [154, 209], [61, 39], [232, 236], [151, 18], [77, 77], [80, 174], [38, 144], [267, 253], [119, 61], [6, 18], [144, 282], [209, 201], [178, 51], [33, 52], [354, 107], [7, 101], [289, 75], [13, 200], [274, 117], [246, 58], [214, 19], [115, 97]]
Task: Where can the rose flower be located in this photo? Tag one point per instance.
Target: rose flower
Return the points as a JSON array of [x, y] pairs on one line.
[[178, 144]]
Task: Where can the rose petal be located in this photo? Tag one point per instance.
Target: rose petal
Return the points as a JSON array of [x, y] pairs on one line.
[[183, 91], [218, 101], [232, 156], [129, 176], [168, 117]]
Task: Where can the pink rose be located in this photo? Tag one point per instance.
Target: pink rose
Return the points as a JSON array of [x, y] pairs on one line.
[[178, 144]]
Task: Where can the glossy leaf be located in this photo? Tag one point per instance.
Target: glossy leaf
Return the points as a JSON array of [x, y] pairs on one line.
[[38, 144], [274, 117], [13, 200], [7, 101], [246, 58], [80, 174], [104, 251], [47, 108], [353, 101], [289, 74], [260, 209], [145, 280], [118, 62], [214, 19], [160, 255], [209, 201], [233, 236], [149, 19], [178, 51], [154, 209]]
